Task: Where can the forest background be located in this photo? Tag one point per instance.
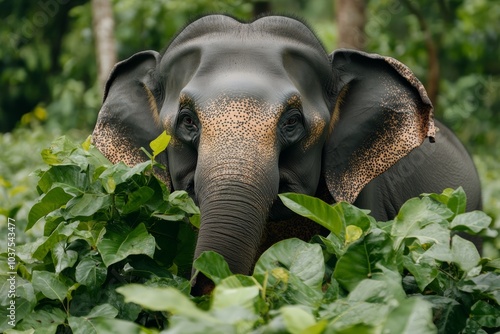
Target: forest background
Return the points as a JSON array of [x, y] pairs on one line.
[[56, 54]]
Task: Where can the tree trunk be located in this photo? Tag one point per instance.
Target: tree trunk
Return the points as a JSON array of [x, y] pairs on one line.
[[103, 24], [351, 19], [433, 74]]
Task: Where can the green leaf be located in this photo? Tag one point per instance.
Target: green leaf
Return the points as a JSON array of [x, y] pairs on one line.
[[52, 286], [475, 222], [454, 199], [225, 297], [487, 285], [412, 316], [160, 143], [137, 199], [485, 314], [212, 265], [90, 272], [182, 200], [61, 233], [62, 257], [106, 325], [449, 315], [344, 315], [376, 291], [163, 299], [120, 241], [47, 319], [314, 209], [296, 319], [85, 325], [360, 259], [86, 205], [414, 215], [424, 269], [303, 260], [70, 178], [464, 253], [53, 200]]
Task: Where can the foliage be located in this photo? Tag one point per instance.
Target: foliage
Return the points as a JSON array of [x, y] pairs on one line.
[[117, 247], [467, 51]]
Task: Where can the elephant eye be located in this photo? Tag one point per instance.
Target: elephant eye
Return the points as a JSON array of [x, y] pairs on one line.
[[188, 120], [292, 120]]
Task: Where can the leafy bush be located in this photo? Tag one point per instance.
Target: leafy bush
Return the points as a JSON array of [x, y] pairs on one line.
[[117, 248]]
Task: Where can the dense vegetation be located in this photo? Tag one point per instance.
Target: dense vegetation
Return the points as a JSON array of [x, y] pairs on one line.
[[117, 248], [49, 88]]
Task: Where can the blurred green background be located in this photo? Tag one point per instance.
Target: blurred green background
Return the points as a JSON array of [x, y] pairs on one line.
[[49, 86]]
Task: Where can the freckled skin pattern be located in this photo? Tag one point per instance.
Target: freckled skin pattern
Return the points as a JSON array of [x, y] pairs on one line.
[[256, 109]]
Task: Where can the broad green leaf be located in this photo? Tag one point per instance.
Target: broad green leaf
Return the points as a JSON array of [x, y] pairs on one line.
[[90, 272], [343, 314], [302, 259], [414, 215], [91, 231], [44, 320], [52, 286], [103, 310], [120, 241], [288, 289], [371, 291], [412, 316], [53, 200], [70, 178], [296, 319], [107, 325], [61, 233], [449, 315], [181, 200], [487, 285], [485, 314], [464, 253], [238, 281], [137, 199], [62, 257], [424, 269], [163, 299], [87, 205], [474, 221], [160, 143], [85, 325], [314, 209], [454, 199], [224, 297], [212, 265], [360, 259]]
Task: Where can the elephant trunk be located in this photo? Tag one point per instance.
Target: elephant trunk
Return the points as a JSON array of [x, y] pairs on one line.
[[234, 203]]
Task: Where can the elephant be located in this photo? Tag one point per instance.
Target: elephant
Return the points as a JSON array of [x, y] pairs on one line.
[[259, 108]]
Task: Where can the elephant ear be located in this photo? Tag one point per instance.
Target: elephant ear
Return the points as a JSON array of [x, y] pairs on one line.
[[129, 119], [381, 112]]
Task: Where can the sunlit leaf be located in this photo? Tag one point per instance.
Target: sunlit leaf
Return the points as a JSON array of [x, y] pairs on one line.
[[160, 143]]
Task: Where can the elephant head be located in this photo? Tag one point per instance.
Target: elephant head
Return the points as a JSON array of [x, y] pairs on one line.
[[256, 109]]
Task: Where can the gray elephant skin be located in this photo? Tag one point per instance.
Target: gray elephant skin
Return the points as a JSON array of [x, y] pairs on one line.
[[257, 109]]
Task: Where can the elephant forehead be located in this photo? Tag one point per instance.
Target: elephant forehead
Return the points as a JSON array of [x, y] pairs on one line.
[[245, 120]]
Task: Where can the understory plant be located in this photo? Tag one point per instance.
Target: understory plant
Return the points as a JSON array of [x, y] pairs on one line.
[[117, 251]]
